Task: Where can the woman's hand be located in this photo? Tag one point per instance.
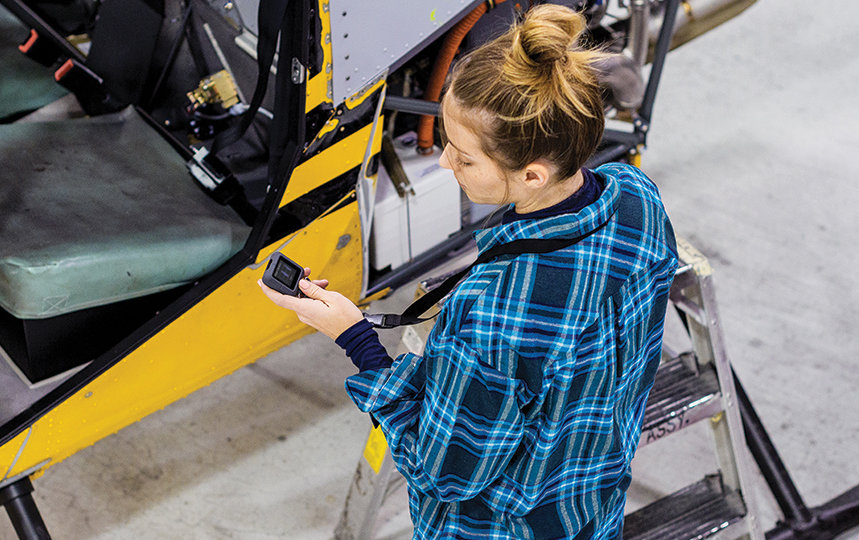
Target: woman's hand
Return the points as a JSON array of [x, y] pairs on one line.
[[327, 311]]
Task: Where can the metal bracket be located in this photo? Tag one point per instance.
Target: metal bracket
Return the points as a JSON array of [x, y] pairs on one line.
[[202, 172], [298, 71]]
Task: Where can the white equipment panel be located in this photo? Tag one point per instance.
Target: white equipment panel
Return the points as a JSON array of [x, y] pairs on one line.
[[405, 227]]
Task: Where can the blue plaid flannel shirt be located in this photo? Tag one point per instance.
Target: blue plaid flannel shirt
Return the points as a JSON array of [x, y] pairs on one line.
[[522, 416]]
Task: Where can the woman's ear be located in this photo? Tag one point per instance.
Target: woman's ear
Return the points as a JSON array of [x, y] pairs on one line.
[[537, 175]]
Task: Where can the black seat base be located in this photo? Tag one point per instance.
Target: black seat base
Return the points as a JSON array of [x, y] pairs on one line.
[[43, 348]]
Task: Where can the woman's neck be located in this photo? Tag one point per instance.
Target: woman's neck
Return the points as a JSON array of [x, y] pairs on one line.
[[551, 195]]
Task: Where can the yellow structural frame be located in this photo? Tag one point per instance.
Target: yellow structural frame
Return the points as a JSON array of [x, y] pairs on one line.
[[228, 329], [231, 327]]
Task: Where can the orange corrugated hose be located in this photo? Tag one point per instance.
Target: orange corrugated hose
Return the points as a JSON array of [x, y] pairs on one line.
[[451, 44]]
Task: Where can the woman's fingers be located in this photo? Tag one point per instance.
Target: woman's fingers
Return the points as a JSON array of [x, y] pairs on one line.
[[327, 311], [282, 300], [321, 282], [312, 290]]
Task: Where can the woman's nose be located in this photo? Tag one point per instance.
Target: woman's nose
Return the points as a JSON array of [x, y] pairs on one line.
[[443, 160]]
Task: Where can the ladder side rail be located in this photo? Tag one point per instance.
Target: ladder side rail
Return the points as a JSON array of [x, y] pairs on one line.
[[731, 450]]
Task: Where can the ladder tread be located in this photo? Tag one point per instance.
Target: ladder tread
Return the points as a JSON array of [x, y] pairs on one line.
[[679, 398], [699, 511]]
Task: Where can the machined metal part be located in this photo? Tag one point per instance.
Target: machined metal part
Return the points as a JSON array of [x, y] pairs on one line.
[[366, 190], [637, 40], [698, 16], [372, 36], [224, 63], [411, 105], [247, 10], [395, 168], [218, 88], [202, 172], [298, 71], [227, 10]]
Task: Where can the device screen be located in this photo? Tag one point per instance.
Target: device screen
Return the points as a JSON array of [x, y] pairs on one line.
[[286, 274]]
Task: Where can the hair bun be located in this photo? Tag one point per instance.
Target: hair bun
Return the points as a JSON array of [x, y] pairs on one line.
[[547, 35]]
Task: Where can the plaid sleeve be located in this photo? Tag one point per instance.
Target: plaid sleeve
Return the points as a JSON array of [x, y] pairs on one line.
[[452, 422]]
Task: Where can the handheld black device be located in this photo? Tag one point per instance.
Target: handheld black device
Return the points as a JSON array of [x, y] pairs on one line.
[[283, 274]]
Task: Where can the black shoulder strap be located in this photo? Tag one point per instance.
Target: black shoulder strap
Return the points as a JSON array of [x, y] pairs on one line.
[[412, 314]]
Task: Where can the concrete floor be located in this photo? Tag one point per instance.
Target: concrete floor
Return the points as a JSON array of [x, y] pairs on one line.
[[752, 144]]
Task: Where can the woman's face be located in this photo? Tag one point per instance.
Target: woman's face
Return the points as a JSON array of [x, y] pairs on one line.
[[480, 177]]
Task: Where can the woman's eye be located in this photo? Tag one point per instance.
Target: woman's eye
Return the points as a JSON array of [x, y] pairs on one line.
[[462, 163]]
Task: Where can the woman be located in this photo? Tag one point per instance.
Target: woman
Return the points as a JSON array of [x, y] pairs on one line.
[[522, 415]]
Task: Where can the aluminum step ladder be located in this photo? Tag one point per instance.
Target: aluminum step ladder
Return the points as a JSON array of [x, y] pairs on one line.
[[690, 386]]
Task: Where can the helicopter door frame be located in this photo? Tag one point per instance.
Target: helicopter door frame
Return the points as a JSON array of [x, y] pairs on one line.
[[288, 134]]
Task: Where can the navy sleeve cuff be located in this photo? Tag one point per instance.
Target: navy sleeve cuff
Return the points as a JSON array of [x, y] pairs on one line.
[[362, 346]]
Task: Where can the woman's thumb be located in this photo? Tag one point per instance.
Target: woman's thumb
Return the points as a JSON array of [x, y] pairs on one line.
[[310, 289]]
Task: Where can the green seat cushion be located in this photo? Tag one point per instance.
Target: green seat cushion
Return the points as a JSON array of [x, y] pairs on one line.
[[24, 84], [99, 210]]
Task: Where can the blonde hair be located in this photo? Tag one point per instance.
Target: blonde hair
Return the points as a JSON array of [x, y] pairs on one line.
[[532, 93]]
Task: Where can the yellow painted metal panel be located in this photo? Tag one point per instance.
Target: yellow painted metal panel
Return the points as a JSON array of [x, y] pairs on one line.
[[331, 163], [233, 326], [317, 88]]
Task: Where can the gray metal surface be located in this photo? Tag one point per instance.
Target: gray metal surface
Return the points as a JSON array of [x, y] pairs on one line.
[[369, 36], [679, 398], [703, 510], [247, 10]]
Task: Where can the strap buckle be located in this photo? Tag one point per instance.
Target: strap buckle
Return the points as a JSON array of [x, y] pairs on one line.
[[40, 50], [383, 320]]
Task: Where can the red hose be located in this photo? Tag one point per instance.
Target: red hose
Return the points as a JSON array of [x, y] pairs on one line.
[[451, 44]]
